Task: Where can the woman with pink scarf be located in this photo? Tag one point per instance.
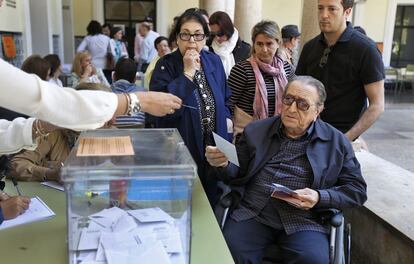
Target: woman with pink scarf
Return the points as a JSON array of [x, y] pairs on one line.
[[257, 83]]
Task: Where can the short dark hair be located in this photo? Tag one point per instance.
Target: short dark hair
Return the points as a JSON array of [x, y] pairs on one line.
[[125, 69], [115, 30], [223, 20], [191, 14], [54, 63], [158, 40], [94, 28], [35, 64], [107, 25], [347, 4], [309, 80]]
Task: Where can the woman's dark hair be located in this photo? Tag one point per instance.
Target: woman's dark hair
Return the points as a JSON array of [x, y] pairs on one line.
[[115, 30], [223, 20], [158, 40], [54, 62], [35, 64], [191, 14], [94, 28]]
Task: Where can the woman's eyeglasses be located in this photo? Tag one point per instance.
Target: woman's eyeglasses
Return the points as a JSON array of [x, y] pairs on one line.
[[301, 104], [325, 56], [196, 36]]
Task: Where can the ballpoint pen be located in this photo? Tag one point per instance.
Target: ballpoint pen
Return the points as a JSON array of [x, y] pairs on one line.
[[189, 106], [15, 185]]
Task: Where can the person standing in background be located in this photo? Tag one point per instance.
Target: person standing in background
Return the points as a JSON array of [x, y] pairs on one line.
[[118, 47], [226, 41], [148, 51], [96, 43], [290, 36], [350, 66]]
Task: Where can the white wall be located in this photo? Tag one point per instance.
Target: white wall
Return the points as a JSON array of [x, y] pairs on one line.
[[11, 19], [283, 12]]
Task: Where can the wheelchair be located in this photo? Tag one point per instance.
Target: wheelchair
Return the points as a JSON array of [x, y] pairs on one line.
[[339, 235]]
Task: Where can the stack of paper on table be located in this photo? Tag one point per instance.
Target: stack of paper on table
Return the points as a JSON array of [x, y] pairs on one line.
[[37, 211], [135, 236]]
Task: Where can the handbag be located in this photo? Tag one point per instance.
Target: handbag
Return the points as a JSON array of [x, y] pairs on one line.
[[110, 58]]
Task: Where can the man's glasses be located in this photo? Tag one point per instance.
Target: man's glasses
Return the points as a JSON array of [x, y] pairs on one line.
[[196, 36], [301, 104], [325, 56], [217, 34]]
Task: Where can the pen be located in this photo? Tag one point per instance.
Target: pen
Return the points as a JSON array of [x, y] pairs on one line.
[[15, 185], [189, 106]]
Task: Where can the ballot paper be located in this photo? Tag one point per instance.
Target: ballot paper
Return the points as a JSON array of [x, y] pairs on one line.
[[54, 185], [284, 193], [151, 215], [227, 148], [147, 235], [37, 211]]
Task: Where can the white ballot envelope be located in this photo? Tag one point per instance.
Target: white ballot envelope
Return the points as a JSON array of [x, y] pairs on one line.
[[227, 148]]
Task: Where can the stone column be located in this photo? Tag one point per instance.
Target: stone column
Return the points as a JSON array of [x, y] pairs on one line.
[[229, 8], [247, 14], [212, 5], [310, 25]]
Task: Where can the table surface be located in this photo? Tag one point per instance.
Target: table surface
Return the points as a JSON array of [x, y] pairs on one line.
[[45, 242]]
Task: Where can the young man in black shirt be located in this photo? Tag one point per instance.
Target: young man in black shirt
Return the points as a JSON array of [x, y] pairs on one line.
[[349, 65]]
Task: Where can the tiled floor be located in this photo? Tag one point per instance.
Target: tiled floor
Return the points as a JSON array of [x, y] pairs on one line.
[[392, 136]]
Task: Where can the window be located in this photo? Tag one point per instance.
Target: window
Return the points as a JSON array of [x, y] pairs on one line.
[[127, 13], [402, 52]]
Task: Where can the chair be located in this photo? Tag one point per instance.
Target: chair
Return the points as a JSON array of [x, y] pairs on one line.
[[407, 75], [392, 78], [339, 240]]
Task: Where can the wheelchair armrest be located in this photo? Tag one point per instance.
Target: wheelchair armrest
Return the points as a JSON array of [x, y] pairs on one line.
[[332, 216]]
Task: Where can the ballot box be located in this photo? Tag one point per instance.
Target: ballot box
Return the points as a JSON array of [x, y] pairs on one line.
[[129, 197]]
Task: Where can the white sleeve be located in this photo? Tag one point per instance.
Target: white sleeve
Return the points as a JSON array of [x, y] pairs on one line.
[[78, 110], [16, 135], [82, 46]]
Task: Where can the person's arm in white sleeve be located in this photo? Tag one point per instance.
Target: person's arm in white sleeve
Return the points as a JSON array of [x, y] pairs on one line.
[[82, 46], [16, 135]]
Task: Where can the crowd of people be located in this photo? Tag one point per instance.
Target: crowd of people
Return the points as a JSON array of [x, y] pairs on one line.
[[291, 116]]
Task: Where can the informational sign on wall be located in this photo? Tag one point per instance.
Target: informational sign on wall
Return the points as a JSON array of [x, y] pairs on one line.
[[9, 47]]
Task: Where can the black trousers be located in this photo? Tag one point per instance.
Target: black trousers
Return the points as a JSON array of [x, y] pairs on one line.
[[249, 239]]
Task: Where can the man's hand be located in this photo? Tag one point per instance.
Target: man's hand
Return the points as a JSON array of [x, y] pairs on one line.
[[14, 206], [215, 157], [307, 198]]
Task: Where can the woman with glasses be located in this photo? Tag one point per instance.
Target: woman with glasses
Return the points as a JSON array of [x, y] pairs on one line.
[[226, 41], [197, 77], [257, 83]]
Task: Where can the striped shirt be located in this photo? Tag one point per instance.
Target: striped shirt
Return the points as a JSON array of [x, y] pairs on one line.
[[242, 83]]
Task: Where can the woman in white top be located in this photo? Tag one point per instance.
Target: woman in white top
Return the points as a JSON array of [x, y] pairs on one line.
[[83, 70], [96, 43], [118, 47], [55, 69], [66, 107]]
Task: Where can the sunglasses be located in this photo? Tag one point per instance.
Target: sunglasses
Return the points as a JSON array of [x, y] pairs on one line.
[[301, 104], [217, 34], [325, 56], [196, 36]]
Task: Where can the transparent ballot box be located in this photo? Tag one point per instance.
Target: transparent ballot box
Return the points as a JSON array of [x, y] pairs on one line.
[[129, 197]]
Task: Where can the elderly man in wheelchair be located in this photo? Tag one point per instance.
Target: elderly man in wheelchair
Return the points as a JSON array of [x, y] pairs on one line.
[[291, 166]]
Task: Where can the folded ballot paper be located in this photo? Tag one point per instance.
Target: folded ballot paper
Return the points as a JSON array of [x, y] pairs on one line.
[[284, 193], [37, 211], [136, 236]]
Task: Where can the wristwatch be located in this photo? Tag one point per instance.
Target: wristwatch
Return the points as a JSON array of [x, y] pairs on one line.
[[134, 105]]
